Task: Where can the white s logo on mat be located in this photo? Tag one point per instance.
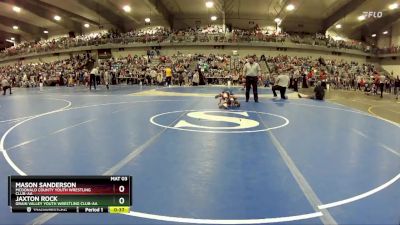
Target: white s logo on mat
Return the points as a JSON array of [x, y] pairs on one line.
[[242, 123], [232, 121]]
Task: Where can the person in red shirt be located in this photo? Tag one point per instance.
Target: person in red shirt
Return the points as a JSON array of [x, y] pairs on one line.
[[376, 77], [322, 75], [310, 74]]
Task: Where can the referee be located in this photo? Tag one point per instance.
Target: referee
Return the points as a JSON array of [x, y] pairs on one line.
[[251, 71], [93, 73]]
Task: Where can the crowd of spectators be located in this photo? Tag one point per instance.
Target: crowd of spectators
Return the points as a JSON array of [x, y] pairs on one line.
[[338, 74], [212, 33], [154, 34], [197, 69], [49, 74]]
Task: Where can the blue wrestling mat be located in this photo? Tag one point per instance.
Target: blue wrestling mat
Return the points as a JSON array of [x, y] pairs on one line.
[[283, 162]]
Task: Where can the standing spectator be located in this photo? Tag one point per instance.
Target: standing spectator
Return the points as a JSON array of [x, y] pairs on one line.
[[41, 82], [251, 71], [181, 79], [388, 86], [98, 76], [86, 78], [107, 79], [5, 85], [196, 78], [160, 78], [153, 75], [295, 84], [381, 83], [148, 55], [168, 75], [397, 87], [304, 79], [25, 81], [70, 81]]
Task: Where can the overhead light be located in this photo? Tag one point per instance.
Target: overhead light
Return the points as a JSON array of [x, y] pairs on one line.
[[213, 18], [361, 18], [278, 20], [393, 6], [13, 39], [16, 9], [290, 7], [338, 26], [209, 4], [86, 25], [126, 8], [385, 32], [147, 20], [46, 31], [57, 17], [373, 35], [15, 27]]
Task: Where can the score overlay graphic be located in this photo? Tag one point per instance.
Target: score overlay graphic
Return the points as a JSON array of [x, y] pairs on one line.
[[70, 194]]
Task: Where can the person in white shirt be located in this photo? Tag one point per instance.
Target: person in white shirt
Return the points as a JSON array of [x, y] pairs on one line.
[[159, 79], [196, 78], [93, 74], [382, 79], [153, 75], [5, 85], [251, 71], [281, 83], [86, 77], [107, 79]]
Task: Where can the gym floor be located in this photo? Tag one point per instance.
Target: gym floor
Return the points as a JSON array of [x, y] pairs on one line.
[[294, 161]]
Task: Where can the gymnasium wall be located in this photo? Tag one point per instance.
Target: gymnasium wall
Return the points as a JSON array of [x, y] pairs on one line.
[[156, 21], [383, 41], [132, 51], [396, 34], [7, 63], [391, 39], [390, 65], [247, 22], [57, 36]]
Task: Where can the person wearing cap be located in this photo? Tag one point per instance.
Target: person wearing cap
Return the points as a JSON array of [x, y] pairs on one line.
[[251, 71]]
